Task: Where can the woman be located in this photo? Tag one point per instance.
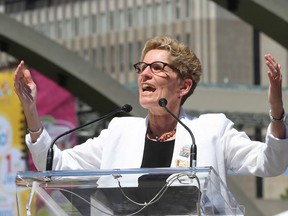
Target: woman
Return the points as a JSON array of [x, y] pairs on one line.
[[167, 70]]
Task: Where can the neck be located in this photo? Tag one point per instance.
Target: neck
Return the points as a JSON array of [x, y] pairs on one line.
[[162, 123]]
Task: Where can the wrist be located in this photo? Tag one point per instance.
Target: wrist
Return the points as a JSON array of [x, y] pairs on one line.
[[277, 118], [38, 131]]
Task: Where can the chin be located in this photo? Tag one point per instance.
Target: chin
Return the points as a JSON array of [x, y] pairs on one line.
[[144, 105], [148, 103]]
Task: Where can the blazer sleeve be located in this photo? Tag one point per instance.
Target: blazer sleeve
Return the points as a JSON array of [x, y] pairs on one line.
[[85, 156], [245, 156]]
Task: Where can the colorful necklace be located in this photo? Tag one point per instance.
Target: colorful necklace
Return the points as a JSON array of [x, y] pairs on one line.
[[164, 137]]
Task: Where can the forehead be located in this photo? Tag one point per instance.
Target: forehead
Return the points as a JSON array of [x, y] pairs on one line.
[[157, 55]]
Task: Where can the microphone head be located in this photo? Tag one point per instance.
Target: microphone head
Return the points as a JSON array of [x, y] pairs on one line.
[[162, 102], [127, 108]]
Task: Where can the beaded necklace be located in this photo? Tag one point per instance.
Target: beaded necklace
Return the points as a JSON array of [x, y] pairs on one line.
[[164, 137]]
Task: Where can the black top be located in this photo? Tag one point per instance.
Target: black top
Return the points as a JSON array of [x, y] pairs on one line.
[[157, 154]]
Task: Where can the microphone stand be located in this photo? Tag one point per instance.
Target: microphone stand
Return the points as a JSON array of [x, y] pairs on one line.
[[193, 148], [50, 154]]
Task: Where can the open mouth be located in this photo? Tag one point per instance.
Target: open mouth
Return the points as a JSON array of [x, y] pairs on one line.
[[148, 88]]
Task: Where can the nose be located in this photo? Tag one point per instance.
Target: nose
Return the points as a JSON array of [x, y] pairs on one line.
[[147, 71], [146, 74]]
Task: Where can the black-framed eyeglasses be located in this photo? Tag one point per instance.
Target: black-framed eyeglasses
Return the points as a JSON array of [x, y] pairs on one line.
[[156, 67]]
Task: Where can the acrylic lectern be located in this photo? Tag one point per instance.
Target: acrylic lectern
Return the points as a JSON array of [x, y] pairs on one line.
[[157, 191]]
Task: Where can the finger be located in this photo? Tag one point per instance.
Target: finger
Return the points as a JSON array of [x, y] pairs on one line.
[[278, 67], [275, 78], [18, 75], [27, 76], [274, 63], [24, 90], [19, 69], [273, 67]]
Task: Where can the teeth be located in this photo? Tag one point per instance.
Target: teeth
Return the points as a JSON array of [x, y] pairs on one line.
[[146, 87]]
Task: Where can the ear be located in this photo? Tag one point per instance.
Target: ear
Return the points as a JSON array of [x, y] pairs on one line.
[[185, 87]]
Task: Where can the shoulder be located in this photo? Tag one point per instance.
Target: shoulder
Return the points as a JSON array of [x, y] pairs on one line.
[[122, 126], [215, 119], [213, 116], [203, 117]]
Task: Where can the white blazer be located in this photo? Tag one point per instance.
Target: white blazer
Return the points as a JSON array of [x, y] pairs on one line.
[[219, 145]]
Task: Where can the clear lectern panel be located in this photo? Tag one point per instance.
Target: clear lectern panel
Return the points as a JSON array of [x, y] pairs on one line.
[[157, 191]]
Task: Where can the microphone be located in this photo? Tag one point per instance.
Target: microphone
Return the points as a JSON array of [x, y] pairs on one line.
[[193, 148], [50, 154]]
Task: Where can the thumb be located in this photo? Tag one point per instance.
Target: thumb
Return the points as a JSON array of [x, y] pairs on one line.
[[27, 76]]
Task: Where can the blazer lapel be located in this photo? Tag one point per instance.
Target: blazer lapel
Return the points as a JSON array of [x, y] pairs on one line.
[[182, 144]]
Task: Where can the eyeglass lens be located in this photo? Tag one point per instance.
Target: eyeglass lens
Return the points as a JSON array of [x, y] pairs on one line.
[[156, 67]]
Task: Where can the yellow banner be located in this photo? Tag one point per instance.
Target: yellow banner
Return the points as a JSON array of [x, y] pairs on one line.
[[12, 129]]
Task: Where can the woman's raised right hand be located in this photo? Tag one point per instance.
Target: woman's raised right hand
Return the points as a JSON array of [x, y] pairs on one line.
[[25, 87]]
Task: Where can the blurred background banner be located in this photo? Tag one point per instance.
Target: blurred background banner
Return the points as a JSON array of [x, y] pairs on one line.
[[11, 143], [57, 111]]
